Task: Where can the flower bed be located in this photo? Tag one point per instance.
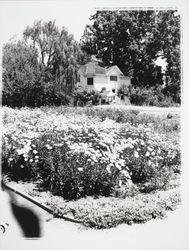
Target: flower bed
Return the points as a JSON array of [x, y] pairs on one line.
[[76, 153], [107, 212]]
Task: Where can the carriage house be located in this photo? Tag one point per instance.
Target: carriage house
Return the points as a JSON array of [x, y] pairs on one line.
[[105, 80]]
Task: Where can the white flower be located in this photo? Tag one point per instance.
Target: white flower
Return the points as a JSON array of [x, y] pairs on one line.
[[117, 166], [48, 146], [35, 151], [125, 173], [159, 151], [31, 160], [20, 151], [149, 162], [108, 169], [120, 183], [150, 149], [136, 155], [147, 154], [153, 153], [80, 169], [142, 143]]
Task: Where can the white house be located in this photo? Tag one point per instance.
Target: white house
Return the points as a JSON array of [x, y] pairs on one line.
[[106, 80]]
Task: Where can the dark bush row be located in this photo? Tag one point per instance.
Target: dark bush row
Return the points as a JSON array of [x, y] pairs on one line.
[[160, 97]]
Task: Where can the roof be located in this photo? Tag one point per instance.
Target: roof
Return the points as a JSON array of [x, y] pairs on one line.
[[108, 70], [92, 68]]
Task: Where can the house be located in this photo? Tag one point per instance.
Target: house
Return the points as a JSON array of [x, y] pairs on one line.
[[105, 80]]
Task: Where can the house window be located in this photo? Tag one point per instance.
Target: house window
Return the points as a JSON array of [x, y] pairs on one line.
[[113, 90], [113, 78], [90, 81]]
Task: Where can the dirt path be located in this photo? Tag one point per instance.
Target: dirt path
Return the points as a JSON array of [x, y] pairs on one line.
[[169, 233]]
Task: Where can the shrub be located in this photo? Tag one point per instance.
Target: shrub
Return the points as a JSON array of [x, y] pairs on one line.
[[77, 155], [109, 212], [21, 73], [83, 96], [16, 163], [73, 174], [150, 97]]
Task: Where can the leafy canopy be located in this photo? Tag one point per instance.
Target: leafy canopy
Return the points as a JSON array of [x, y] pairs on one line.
[[133, 40]]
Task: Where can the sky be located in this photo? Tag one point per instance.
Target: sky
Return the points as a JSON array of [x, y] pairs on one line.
[[15, 16], [73, 14]]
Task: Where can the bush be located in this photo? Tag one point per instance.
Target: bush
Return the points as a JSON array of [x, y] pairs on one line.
[[83, 97], [21, 73], [150, 97], [109, 212], [73, 174], [76, 155]]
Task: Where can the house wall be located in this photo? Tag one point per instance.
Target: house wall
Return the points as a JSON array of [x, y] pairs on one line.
[[113, 84], [83, 82], [100, 82]]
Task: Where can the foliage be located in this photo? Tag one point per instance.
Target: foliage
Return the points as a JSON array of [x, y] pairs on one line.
[[133, 40], [41, 69], [109, 212], [59, 53], [21, 75], [158, 123], [83, 96], [150, 97], [74, 154], [124, 90]]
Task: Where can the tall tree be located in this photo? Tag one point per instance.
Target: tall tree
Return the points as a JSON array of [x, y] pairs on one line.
[[21, 75], [169, 36], [133, 40], [58, 53]]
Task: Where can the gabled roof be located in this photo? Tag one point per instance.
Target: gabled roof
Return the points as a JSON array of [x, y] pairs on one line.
[[92, 68], [114, 67]]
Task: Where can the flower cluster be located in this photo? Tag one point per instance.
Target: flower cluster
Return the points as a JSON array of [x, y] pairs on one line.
[[122, 148]]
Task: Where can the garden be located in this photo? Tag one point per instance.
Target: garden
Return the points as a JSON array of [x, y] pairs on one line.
[[106, 166]]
